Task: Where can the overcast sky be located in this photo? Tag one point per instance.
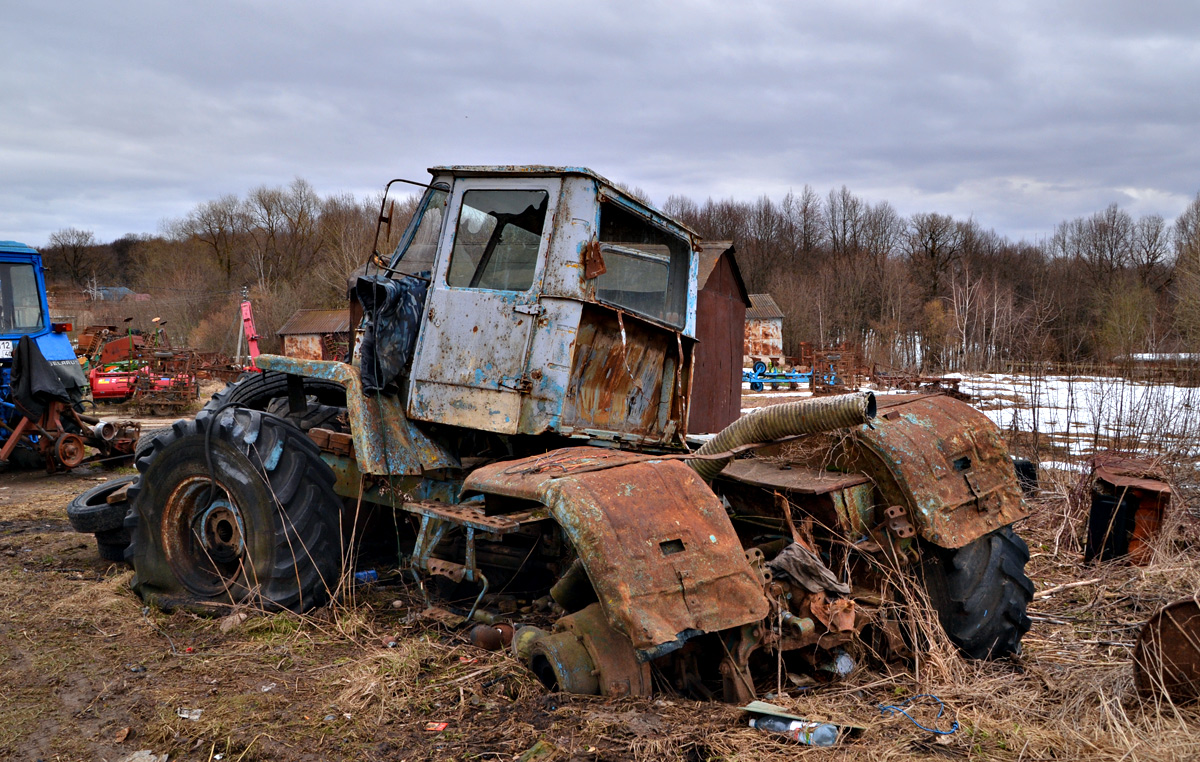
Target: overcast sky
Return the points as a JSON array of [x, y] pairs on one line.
[[117, 116]]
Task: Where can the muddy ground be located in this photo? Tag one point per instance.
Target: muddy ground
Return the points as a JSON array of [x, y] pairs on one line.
[[89, 674]]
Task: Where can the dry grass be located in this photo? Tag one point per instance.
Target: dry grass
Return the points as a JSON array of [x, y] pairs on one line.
[[1068, 696], [324, 686]]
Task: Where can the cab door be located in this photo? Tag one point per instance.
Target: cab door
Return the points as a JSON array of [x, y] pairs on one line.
[[469, 368]]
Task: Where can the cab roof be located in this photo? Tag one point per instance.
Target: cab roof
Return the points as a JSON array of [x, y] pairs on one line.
[[545, 170], [15, 247], [526, 170]]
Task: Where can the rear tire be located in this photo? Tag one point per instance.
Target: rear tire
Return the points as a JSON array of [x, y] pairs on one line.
[[316, 416], [146, 442], [256, 391], [981, 593], [265, 535]]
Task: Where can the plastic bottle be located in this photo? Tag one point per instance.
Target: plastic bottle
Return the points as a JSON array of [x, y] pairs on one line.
[[811, 733]]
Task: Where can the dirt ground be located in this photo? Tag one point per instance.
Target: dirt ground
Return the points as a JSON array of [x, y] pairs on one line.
[[89, 674]]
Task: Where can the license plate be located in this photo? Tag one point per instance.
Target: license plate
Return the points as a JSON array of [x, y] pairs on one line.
[[5, 350]]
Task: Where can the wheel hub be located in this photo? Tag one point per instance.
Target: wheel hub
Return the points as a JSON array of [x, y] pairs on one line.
[[204, 537], [69, 450], [221, 531]]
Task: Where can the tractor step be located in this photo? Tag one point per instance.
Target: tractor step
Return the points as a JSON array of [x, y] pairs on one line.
[[474, 518]]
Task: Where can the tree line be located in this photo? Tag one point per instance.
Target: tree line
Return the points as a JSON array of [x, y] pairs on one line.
[[925, 292], [932, 293]]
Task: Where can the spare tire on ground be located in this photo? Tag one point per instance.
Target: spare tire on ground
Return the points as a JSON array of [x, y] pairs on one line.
[[91, 512]]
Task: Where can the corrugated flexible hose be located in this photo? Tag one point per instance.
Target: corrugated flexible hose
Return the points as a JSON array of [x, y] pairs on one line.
[[766, 424]]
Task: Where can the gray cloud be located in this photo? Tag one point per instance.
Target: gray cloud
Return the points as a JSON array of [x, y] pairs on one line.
[[1020, 114]]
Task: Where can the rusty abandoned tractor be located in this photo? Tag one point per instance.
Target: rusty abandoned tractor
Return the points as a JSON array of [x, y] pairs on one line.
[[516, 422]]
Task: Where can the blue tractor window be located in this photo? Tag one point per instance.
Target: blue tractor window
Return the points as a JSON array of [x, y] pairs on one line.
[[20, 300]]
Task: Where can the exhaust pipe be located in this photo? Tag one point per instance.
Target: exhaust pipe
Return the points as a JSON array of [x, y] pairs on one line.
[[766, 424]]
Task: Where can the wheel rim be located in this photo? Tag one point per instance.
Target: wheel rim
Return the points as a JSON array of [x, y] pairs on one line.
[[204, 537], [69, 450]]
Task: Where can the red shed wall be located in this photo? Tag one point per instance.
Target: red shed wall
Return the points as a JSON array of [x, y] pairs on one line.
[[717, 379]]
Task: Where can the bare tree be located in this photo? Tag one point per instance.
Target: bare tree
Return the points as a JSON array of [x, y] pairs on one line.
[[75, 250], [1187, 232], [1107, 247], [843, 220], [935, 244], [347, 228], [808, 223], [1151, 250], [219, 225]]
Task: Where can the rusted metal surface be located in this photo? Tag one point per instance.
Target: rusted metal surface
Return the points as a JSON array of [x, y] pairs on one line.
[[943, 460], [304, 347], [92, 339], [385, 441], [788, 478], [504, 361], [562, 663], [471, 364], [618, 671], [1166, 660], [763, 338], [164, 393], [890, 378], [593, 260], [717, 394], [625, 380], [1130, 497], [122, 348], [657, 543]]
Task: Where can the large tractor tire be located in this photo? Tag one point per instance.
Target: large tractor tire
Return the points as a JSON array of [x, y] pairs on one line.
[[256, 391], [145, 443], [981, 593], [235, 507]]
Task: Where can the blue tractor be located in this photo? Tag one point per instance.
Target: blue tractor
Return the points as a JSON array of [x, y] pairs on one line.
[[42, 385]]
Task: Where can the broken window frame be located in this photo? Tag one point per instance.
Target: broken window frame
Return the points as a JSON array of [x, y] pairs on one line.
[[674, 297], [398, 264]]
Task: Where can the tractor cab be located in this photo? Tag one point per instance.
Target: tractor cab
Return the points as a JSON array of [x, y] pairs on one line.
[[24, 312], [554, 302]]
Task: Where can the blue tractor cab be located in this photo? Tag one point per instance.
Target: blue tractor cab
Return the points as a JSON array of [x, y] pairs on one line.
[[25, 312], [56, 434]]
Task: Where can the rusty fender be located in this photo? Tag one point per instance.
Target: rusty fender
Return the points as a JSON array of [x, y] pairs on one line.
[[656, 543], [943, 460], [386, 442]]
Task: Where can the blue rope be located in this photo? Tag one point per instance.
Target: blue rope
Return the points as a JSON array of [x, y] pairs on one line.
[[896, 709]]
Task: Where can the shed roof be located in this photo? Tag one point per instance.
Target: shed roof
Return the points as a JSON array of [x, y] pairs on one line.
[[316, 321], [763, 307], [710, 253]]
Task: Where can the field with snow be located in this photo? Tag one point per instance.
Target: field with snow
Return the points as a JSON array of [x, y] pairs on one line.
[[1075, 416], [1065, 419]]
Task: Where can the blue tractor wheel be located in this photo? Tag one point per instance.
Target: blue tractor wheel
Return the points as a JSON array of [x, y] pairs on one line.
[[760, 367], [756, 386]]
